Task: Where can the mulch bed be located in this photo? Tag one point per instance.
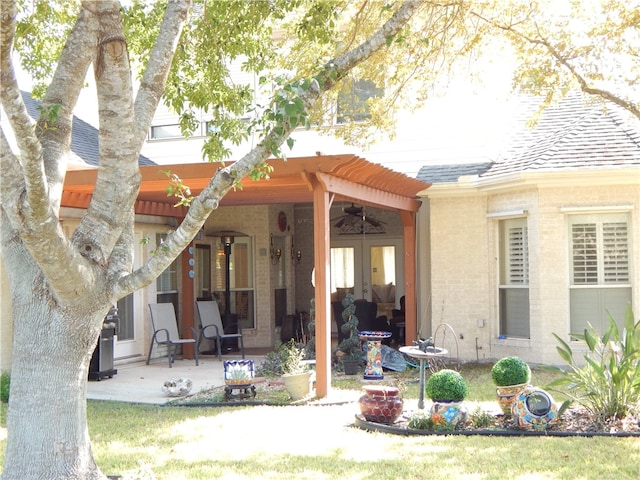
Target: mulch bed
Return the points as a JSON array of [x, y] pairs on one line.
[[575, 421]]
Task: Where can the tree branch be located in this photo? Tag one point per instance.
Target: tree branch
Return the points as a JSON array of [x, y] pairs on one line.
[[157, 71], [227, 177], [563, 61]]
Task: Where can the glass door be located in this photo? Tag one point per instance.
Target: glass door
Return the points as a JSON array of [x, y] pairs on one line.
[[368, 268], [129, 341]]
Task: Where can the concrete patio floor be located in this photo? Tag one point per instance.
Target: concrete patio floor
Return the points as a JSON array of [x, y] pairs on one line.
[[141, 383]]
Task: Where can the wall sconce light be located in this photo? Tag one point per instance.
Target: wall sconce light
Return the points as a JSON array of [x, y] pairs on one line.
[[295, 254], [275, 253]]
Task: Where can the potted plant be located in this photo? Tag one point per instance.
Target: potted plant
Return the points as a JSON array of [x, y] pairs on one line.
[[349, 352], [295, 371], [511, 375], [447, 389]]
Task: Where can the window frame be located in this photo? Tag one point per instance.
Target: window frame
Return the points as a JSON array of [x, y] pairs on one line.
[[604, 285], [514, 312]]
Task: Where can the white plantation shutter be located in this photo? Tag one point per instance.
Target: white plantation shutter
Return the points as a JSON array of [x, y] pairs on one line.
[[585, 258], [514, 278], [615, 253], [600, 280], [518, 255]]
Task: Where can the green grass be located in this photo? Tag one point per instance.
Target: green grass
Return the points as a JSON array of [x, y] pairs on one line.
[[307, 442]]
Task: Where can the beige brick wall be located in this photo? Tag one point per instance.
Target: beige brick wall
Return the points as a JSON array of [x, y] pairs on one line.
[[464, 263]]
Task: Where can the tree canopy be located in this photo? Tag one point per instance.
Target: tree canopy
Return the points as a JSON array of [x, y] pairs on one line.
[[307, 53]]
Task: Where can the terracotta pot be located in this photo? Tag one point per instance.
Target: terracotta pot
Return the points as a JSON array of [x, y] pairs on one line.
[[507, 394], [381, 404]]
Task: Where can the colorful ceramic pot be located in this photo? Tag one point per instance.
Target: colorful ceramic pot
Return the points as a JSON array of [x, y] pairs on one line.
[[373, 347], [448, 414], [381, 404], [534, 409], [507, 394]]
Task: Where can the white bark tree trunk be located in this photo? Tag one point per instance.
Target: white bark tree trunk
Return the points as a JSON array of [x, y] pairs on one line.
[[62, 288]]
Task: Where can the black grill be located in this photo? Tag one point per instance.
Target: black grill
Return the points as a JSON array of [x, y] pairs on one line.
[[101, 365]]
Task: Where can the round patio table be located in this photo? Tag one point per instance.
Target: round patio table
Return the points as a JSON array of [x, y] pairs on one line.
[[424, 357]]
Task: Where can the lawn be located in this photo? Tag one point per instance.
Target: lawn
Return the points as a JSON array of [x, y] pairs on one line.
[[319, 442]]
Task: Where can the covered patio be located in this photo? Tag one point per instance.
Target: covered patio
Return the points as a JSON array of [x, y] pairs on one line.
[[319, 180]]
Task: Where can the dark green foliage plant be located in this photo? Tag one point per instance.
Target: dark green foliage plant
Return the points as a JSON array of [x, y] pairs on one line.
[[481, 418], [421, 421], [510, 371], [350, 346], [608, 384], [447, 385], [5, 383]]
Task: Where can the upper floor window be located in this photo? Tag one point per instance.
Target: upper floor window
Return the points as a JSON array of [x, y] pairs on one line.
[[165, 131]]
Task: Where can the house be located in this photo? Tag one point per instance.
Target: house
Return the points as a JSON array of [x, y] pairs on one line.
[[275, 243], [543, 240]]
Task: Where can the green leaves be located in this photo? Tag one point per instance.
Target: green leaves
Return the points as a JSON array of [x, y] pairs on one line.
[[608, 384], [178, 189]]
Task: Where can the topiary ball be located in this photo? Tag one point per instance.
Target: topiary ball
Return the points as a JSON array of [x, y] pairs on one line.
[[447, 385], [510, 371]]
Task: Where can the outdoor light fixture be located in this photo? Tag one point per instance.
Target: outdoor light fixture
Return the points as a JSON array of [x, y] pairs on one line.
[[295, 254], [275, 253]]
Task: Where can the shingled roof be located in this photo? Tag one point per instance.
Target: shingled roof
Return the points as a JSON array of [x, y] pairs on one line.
[[84, 137], [575, 134]]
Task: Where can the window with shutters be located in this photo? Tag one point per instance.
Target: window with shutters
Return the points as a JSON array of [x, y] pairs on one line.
[[600, 270], [514, 278]]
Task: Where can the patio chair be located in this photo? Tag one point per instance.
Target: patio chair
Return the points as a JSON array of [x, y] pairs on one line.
[[211, 327], [165, 331]]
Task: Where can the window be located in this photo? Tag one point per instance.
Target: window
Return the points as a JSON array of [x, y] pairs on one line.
[[241, 290], [167, 282], [514, 278], [342, 272], [165, 131], [352, 101], [600, 279]]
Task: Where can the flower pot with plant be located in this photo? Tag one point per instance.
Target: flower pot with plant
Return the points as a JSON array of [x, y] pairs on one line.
[[511, 375], [447, 389], [296, 375]]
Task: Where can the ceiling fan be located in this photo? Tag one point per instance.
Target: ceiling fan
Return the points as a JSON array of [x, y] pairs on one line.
[[353, 215]]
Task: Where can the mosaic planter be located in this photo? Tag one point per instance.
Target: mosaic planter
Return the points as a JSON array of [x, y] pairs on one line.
[[534, 409], [507, 394], [448, 414], [381, 404]]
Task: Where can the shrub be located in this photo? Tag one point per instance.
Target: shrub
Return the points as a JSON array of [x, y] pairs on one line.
[[5, 382], [609, 383], [447, 385], [481, 419], [421, 421], [510, 371]]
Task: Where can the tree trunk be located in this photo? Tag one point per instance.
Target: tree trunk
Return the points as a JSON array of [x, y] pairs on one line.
[[47, 405]]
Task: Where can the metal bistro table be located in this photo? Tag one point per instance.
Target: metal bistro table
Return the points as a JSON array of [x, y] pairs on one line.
[[431, 353]]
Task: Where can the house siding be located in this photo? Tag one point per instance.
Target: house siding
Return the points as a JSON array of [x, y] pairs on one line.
[[465, 253]]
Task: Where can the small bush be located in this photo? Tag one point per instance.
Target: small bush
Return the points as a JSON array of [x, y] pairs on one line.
[[510, 371], [5, 383], [609, 383], [481, 419], [447, 385], [421, 421]]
